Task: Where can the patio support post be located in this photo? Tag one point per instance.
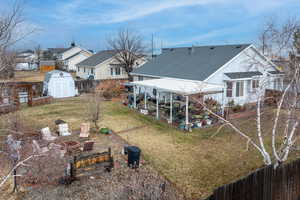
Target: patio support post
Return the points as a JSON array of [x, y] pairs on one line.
[[145, 99], [157, 109], [223, 104], [134, 97], [186, 109], [171, 108]]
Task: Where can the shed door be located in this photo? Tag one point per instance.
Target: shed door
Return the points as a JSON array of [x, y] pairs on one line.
[[59, 88]]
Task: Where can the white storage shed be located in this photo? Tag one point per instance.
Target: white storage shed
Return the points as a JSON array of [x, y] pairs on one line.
[[59, 84]]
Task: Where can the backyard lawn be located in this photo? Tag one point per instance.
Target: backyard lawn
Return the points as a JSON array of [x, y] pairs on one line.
[[195, 162]]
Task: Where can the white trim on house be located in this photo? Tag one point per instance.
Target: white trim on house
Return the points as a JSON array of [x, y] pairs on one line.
[[226, 64]]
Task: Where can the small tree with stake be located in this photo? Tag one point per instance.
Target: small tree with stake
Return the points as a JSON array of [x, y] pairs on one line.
[[94, 108]]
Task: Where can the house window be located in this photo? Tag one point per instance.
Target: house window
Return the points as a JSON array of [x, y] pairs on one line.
[[118, 70], [255, 84], [92, 70], [140, 78], [277, 84], [111, 71], [78, 69], [84, 69], [239, 89], [229, 89]]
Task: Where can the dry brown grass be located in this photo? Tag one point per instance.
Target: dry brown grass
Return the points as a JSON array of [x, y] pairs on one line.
[[29, 76], [195, 162]]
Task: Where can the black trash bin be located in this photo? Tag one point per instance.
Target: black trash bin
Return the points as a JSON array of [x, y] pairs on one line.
[[134, 154]]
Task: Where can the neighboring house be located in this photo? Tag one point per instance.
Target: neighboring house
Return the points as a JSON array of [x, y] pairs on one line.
[[59, 84], [73, 59], [25, 60], [238, 68], [68, 56], [102, 66]]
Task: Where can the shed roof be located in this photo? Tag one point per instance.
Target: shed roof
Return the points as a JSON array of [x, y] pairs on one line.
[[179, 86], [53, 72], [193, 63], [96, 59]]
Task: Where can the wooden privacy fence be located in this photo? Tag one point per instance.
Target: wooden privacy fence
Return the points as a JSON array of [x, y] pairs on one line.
[[282, 183], [85, 86]]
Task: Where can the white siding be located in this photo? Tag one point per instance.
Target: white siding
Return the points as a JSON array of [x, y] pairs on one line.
[[246, 61], [70, 52], [75, 60]]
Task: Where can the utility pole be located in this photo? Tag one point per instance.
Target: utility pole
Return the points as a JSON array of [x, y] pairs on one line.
[[152, 45]]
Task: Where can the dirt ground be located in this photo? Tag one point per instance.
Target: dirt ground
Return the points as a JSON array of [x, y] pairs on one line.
[[121, 183]]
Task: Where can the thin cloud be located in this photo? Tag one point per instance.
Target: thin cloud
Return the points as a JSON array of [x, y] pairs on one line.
[[70, 12]]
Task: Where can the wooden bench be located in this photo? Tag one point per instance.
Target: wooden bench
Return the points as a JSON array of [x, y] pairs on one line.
[[91, 162]]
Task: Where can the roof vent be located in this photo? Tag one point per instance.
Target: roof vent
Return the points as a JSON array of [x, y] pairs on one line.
[[191, 50], [212, 48]]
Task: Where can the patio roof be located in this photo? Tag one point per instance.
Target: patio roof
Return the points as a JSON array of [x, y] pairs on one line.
[[179, 86]]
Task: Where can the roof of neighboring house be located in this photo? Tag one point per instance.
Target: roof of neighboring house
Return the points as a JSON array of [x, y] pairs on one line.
[[27, 51], [239, 75], [194, 63], [47, 62], [58, 50], [76, 54], [97, 58], [72, 56]]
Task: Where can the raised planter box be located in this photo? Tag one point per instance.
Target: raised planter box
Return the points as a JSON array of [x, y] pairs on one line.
[[7, 108], [40, 101]]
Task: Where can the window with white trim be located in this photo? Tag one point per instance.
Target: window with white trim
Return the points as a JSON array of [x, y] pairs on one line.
[[277, 83], [239, 88], [255, 84], [118, 71], [229, 89], [111, 71]]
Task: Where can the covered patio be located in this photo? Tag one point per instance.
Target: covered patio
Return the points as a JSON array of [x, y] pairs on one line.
[[166, 89]]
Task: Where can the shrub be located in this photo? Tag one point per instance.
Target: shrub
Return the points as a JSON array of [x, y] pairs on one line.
[[107, 94]]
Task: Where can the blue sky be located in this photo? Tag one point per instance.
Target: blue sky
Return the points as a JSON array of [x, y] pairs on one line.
[[172, 22]]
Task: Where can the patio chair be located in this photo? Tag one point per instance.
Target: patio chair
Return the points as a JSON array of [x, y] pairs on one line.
[[46, 134], [39, 149], [63, 129], [84, 130]]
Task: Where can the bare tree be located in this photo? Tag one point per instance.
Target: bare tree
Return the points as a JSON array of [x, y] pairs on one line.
[[129, 48], [38, 52], [10, 25], [276, 39], [284, 41]]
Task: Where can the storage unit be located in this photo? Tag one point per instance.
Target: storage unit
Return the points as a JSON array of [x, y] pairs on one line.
[[59, 84]]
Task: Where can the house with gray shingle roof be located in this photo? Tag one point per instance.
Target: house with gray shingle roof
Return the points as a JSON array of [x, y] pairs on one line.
[[103, 66], [239, 68]]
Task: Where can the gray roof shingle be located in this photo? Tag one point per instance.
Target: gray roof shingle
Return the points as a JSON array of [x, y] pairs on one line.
[[194, 63], [96, 59], [238, 75]]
